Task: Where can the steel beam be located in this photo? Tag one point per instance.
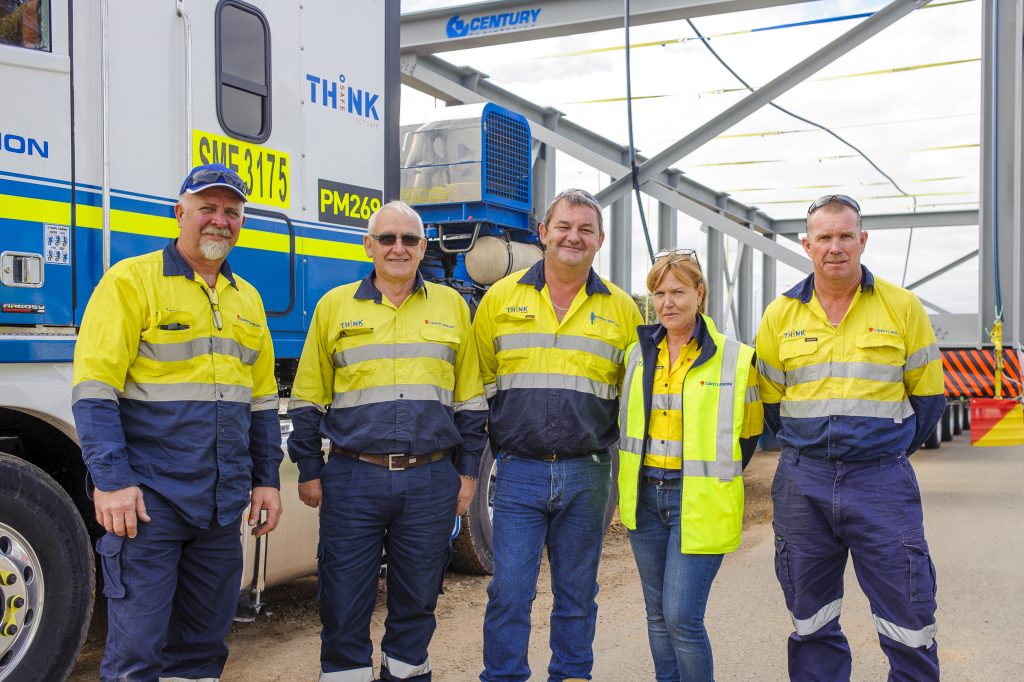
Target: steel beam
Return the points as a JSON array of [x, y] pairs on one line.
[[1002, 251], [744, 288], [890, 221], [507, 21], [943, 270], [621, 243], [837, 48], [463, 85], [768, 280]]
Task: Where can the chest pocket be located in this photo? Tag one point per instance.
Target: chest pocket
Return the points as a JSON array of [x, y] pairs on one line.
[[797, 352], [885, 349], [346, 348], [168, 344], [248, 341], [606, 341]]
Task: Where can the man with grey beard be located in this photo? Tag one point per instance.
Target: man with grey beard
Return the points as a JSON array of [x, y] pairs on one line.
[[175, 403]]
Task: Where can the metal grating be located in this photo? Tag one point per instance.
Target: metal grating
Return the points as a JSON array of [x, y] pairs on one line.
[[506, 157]]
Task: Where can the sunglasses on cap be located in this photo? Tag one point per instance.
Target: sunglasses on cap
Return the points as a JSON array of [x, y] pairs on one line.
[[390, 239], [201, 178], [683, 254], [829, 198]]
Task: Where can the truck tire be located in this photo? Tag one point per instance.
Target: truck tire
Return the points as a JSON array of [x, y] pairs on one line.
[[472, 546], [934, 439], [958, 418], [47, 565], [947, 424]]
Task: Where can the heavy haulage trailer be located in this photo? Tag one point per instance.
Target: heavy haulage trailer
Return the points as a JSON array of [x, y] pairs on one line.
[[106, 106]]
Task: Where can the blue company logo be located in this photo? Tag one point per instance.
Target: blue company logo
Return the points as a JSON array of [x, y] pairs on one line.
[[794, 334], [332, 94], [492, 23], [517, 309], [595, 316], [348, 324], [439, 324]]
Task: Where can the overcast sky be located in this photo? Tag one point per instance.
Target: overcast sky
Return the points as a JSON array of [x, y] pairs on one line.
[[919, 123]]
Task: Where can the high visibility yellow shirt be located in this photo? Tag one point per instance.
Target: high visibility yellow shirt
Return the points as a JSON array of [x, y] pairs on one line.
[[666, 426], [868, 387], [375, 378], [165, 399], [553, 387]]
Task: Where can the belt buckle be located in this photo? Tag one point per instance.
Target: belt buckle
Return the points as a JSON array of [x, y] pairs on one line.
[[391, 462]]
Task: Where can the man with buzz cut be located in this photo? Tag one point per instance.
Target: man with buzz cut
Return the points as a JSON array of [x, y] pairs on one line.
[[389, 375], [175, 403], [851, 380], [552, 340]]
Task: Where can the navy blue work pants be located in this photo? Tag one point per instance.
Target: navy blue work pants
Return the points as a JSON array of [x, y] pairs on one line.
[[171, 595], [871, 510], [367, 509]]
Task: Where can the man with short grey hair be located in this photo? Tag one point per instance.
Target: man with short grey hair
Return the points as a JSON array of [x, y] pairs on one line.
[[388, 374]]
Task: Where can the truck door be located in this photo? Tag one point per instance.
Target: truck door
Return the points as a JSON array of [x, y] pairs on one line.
[[36, 263]]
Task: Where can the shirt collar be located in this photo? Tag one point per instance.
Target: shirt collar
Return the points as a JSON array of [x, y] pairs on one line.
[[535, 278], [368, 291], [805, 289], [653, 334], [175, 265]]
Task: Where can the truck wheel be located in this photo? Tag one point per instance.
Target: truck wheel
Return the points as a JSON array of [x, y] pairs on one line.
[[934, 439], [46, 575], [947, 424], [958, 418], [472, 545]]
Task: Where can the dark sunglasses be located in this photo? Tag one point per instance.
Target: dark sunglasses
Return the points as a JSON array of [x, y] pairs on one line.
[[684, 254], [829, 198], [390, 239], [207, 176]]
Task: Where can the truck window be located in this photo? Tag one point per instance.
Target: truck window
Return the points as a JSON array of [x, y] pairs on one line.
[[243, 70], [25, 23]]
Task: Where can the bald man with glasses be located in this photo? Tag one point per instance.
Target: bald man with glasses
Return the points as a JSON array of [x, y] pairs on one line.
[[389, 374]]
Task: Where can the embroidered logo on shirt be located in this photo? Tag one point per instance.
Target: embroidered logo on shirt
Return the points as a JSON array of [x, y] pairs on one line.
[[794, 333], [347, 324], [594, 317], [879, 330], [719, 384], [249, 322], [439, 324], [517, 309]]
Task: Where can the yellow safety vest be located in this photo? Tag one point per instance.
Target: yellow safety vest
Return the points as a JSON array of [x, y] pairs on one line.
[[715, 394]]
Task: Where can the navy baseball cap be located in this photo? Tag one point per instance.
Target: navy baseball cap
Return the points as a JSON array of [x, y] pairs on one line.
[[214, 175]]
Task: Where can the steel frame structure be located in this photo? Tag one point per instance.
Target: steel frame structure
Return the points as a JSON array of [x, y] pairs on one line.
[[999, 217]]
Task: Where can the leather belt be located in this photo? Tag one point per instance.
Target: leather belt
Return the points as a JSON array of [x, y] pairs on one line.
[[398, 461], [557, 457]]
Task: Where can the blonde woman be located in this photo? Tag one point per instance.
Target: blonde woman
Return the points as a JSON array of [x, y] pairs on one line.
[[689, 419]]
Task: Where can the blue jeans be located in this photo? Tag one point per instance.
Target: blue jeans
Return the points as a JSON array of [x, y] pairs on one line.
[[676, 587], [560, 505]]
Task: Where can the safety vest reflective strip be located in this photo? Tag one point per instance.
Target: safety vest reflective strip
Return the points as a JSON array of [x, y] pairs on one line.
[[727, 466], [392, 393], [571, 382], [525, 341], [393, 351], [203, 345]]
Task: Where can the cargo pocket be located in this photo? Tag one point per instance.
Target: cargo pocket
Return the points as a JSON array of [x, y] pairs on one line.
[[920, 569], [109, 548], [782, 566]]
